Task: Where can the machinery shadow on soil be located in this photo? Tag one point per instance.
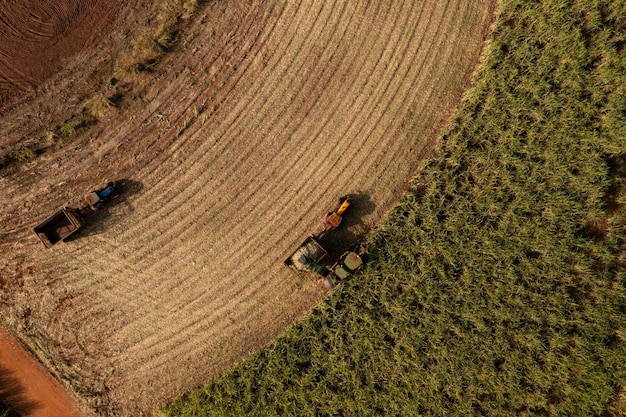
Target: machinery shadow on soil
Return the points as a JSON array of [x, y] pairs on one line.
[[97, 222], [352, 228], [12, 396]]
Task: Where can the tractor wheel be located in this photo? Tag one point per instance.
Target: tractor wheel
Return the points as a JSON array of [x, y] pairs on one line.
[[328, 283]]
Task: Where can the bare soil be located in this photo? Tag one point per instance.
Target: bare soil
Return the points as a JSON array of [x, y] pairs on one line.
[[230, 150], [28, 387], [37, 37]]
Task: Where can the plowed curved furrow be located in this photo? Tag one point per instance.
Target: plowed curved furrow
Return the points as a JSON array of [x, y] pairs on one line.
[[218, 149], [244, 140], [176, 146], [37, 37], [227, 162]]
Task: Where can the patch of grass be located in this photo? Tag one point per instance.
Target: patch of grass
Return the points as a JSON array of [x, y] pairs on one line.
[[24, 154], [67, 129], [152, 44], [617, 407], [49, 136], [32, 147], [98, 106], [146, 51], [497, 285]]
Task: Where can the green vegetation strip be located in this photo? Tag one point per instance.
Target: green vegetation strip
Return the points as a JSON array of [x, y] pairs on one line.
[[497, 285]]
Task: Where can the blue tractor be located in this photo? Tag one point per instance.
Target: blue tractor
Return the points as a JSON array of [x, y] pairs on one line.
[[97, 198]]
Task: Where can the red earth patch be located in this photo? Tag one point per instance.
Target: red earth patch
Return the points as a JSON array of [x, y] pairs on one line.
[[27, 387], [36, 37]]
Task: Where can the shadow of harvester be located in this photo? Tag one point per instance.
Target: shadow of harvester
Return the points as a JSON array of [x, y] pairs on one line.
[[351, 230]]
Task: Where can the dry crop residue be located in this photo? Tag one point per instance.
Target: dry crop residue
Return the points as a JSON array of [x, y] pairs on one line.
[[236, 145]]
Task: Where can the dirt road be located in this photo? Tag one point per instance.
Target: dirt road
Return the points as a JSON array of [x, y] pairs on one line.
[[28, 387], [232, 148]]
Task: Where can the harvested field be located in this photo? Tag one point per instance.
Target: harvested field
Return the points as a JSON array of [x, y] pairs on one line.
[[230, 150]]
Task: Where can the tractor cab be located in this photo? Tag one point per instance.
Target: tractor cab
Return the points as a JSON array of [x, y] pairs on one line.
[[97, 198], [351, 263]]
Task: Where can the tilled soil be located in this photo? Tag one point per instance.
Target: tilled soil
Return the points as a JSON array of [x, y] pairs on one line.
[[36, 37], [229, 151]]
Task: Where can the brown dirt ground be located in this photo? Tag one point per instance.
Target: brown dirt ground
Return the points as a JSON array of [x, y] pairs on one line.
[[29, 387], [231, 150], [37, 37]]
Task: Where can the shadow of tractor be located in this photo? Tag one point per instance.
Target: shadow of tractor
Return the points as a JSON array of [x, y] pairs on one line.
[[99, 221]]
